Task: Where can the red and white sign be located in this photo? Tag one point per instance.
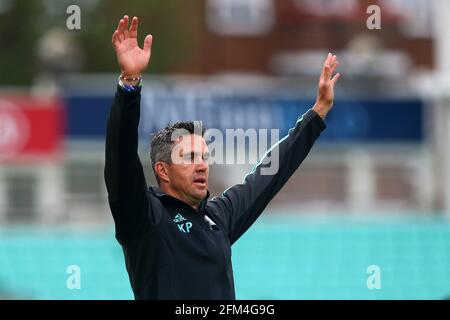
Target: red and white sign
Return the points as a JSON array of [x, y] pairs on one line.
[[30, 128]]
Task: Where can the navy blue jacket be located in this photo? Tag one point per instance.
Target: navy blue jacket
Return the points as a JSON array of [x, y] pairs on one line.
[[173, 251]]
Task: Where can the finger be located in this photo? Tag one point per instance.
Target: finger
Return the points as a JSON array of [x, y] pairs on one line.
[[325, 65], [134, 27], [121, 26], [335, 79], [148, 43], [125, 31], [333, 61], [334, 66], [327, 72], [327, 59], [115, 38], [120, 29], [118, 25]]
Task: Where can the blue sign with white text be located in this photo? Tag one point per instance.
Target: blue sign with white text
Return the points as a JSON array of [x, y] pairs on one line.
[[380, 120]]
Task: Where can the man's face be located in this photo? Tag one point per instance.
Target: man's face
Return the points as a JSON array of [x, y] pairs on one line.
[[188, 171]]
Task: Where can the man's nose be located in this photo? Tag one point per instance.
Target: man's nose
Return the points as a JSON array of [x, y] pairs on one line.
[[201, 165]]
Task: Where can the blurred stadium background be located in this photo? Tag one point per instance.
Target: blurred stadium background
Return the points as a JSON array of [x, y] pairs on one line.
[[375, 190]]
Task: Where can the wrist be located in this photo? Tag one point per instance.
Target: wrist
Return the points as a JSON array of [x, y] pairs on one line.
[[130, 84], [321, 109], [130, 79]]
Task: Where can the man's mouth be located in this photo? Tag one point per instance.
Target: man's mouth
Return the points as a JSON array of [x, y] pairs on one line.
[[200, 181]]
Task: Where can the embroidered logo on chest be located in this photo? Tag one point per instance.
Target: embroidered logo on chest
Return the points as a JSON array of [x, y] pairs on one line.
[[183, 225]]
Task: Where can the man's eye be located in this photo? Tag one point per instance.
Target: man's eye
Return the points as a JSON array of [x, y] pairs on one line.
[[193, 157], [189, 157]]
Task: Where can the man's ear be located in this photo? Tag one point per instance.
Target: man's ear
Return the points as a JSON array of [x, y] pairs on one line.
[[161, 170]]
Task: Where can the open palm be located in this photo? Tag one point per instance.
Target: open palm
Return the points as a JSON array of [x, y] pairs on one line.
[[132, 60], [325, 90]]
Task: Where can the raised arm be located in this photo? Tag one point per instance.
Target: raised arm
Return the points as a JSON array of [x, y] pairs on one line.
[[243, 203], [124, 176]]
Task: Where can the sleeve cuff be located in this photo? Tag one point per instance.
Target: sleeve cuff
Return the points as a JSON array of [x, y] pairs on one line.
[[123, 91], [315, 119]]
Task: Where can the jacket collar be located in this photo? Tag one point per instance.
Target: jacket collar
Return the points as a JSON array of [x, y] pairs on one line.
[[167, 197]]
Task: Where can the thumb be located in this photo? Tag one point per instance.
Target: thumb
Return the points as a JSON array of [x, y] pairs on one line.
[[335, 79], [148, 43]]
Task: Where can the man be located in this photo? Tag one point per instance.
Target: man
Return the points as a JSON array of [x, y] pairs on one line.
[[176, 241]]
